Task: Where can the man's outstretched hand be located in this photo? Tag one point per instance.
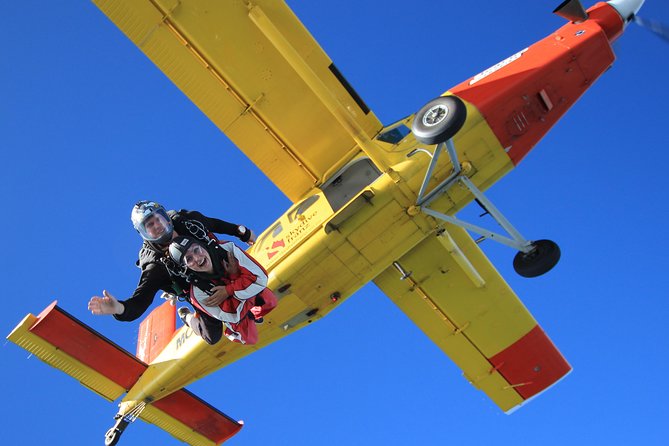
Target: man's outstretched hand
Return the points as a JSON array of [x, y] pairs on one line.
[[107, 304]]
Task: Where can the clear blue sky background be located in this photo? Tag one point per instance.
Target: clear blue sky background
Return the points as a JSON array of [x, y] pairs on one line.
[[88, 126]]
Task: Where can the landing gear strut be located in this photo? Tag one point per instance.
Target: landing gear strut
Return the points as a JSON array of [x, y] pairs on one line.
[[123, 419], [437, 123]]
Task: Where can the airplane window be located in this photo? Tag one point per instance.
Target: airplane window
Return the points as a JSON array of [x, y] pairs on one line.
[[277, 230], [394, 135], [302, 207]]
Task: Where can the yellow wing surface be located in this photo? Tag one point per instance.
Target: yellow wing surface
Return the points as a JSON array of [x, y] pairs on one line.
[[455, 295], [257, 73]]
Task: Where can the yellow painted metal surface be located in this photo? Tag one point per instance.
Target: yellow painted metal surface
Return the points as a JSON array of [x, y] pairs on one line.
[[295, 226], [470, 322], [55, 357], [174, 427], [223, 56]]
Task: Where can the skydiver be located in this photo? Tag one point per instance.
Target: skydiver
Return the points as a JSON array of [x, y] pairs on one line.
[[239, 283], [158, 228]]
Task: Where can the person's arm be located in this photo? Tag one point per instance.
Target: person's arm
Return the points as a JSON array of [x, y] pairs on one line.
[[248, 280], [154, 278], [223, 227]]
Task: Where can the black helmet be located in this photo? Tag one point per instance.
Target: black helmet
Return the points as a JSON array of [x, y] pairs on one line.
[[178, 248], [160, 228]]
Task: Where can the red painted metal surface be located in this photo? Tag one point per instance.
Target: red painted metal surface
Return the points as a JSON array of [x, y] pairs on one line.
[[523, 96], [155, 332], [88, 346], [200, 416], [531, 364]]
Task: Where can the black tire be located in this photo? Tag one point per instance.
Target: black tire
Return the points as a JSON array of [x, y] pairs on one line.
[[112, 436], [540, 260], [439, 120]]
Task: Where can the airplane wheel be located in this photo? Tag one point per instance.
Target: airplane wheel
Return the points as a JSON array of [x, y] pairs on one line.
[[540, 260], [112, 436], [439, 120]]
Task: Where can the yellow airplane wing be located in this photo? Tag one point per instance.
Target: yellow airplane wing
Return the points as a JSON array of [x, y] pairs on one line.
[[447, 286], [257, 73]]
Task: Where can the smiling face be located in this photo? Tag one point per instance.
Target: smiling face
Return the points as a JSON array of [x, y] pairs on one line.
[[198, 259]]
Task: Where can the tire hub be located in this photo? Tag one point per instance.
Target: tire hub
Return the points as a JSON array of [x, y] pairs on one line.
[[435, 115]]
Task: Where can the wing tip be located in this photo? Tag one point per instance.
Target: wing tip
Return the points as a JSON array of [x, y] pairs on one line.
[[536, 395]]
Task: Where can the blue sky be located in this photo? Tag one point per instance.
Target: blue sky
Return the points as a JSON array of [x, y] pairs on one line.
[[89, 126]]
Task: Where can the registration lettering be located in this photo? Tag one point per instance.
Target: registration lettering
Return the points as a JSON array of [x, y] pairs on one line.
[[183, 337]]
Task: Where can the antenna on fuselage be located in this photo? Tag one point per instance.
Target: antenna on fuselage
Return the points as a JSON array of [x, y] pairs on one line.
[[572, 10]]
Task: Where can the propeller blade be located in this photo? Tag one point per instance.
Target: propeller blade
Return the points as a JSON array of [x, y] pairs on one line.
[[654, 26]]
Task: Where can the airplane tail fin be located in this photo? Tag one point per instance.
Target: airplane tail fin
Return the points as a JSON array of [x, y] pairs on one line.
[[66, 343], [156, 331]]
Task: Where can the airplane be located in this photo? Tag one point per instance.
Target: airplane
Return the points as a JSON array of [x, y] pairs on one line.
[[371, 202]]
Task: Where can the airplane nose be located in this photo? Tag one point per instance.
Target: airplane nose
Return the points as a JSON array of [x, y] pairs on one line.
[[626, 8]]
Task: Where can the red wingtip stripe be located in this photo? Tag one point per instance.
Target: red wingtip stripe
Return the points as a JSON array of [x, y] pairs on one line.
[[531, 364]]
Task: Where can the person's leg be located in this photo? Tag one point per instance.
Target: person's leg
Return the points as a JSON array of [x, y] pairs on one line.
[[208, 328]]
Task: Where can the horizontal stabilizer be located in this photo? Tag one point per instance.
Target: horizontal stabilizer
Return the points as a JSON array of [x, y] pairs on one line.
[[190, 419], [67, 344]]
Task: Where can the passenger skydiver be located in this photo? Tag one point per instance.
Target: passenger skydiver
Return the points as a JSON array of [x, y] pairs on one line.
[[222, 268]]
